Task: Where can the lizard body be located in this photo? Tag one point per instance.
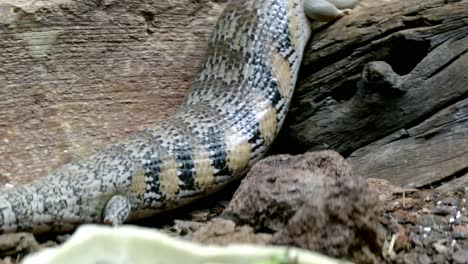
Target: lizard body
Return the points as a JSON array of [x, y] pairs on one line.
[[232, 114]]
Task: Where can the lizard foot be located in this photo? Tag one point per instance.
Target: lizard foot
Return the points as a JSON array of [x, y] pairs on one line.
[[347, 12], [117, 210], [326, 10]]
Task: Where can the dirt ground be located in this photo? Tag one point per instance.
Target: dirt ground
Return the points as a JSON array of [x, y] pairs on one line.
[[426, 227], [419, 226]]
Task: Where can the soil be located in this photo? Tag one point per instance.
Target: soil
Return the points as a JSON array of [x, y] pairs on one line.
[[420, 226], [426, 226]]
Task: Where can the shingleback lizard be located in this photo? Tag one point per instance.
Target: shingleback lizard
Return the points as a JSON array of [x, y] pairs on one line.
[[232, 114]]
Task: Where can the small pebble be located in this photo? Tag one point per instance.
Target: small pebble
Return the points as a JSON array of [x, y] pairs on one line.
[[424, 259], [460, 235], [415, 240], [62, 238], [440, 259], [437, 229], [440, 248], [460, 257], [450, 201], [454, 242]]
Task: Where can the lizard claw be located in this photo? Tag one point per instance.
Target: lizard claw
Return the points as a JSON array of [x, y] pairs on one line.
[[347, 12]]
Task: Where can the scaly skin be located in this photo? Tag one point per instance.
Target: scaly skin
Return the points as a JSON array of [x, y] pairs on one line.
[[231, 116]]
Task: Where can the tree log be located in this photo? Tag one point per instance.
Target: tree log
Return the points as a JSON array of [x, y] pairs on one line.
[[385, 86], [388, 88]]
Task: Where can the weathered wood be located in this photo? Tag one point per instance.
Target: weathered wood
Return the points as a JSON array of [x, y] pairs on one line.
[[397, 72], [460, 183], [423, 45], [421, 155]]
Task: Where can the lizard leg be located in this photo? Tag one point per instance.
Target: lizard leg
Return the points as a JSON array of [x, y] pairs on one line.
[[323, 10], [117, 210]]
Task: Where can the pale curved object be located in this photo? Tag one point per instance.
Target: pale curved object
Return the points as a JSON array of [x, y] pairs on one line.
[[93, 244]]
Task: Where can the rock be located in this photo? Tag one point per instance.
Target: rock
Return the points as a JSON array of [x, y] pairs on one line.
[[12, 244], [409, 258], [440, 259], [429, 232], [415, 239], [460, 232], [276, 187], [432, 221], [224, 232], [424, 259], [460, 257], [341, 220], [183, 229], [402, 241], [313, 202], [442, 210], [383, 188], [440, 247]]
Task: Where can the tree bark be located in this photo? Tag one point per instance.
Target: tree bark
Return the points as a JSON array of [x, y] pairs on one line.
[[385, 86]]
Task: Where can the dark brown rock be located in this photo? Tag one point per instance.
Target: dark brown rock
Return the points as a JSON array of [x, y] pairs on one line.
[[340, 221], [384, 189], [276, 187]]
